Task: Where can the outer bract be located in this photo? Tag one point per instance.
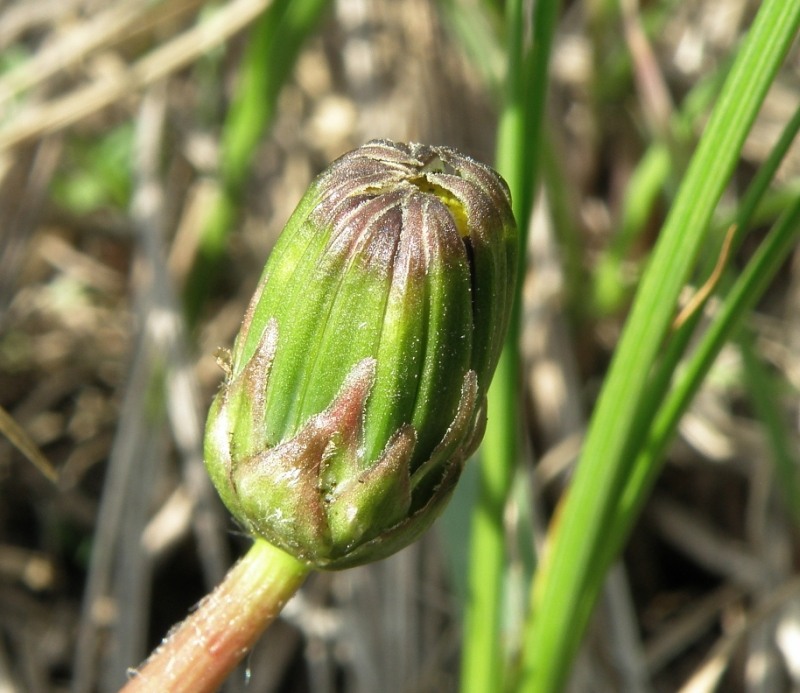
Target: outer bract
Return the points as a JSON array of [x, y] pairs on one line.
[[357, 385]]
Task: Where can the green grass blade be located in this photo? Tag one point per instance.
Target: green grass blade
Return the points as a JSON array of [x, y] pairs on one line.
[[676, 402], [517, 160], [646, 184], [559, 611], [474, 29], [272, 49], [647, 464], [746, 291], [744, 294], [655, 175]]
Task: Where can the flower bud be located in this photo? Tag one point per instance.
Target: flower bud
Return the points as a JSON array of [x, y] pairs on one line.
[[357, 385]]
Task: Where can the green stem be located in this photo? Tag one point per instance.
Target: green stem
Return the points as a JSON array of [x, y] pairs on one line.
[[518, 156], [200, 653], [482, 658]]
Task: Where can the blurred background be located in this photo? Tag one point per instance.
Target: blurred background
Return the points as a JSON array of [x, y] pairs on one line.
[[150, 153]]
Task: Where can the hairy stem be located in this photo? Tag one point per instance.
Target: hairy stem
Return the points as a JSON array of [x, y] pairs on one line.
[[200, 653]]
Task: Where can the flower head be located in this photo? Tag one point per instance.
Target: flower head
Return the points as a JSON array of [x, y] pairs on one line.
[[357, 385]]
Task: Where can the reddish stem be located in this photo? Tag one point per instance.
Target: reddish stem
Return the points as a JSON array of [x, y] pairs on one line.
[[200, 653]]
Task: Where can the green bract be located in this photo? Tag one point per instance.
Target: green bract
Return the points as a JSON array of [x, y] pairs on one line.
[[357, 385]]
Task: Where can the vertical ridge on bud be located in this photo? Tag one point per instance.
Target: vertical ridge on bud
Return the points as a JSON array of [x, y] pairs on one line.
[[448, 345], [358, 383], [363, 282]]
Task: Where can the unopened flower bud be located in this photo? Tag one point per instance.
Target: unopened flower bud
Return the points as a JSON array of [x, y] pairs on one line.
[[357, 385]]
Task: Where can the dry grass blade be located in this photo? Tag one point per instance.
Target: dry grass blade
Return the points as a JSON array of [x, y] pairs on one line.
[[127, 456], [707, 546], [22, 441], [707, 677], [121, 563], [25, 16], [33, 171], [103, 29], [168, 331], [699, 298], [685, 630], [174, 55], [657, 106]]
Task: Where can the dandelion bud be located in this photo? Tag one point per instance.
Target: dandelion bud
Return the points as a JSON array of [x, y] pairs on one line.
[[357, 385]]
